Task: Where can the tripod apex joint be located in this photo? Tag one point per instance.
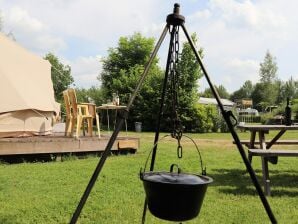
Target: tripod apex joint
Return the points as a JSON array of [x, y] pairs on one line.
[[176, 8], [175, 18]]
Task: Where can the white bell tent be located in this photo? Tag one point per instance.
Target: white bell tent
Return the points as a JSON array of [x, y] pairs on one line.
[[26, 92]]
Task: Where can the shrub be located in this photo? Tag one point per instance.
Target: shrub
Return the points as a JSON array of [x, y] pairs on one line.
[[208, 118], [266, 117]]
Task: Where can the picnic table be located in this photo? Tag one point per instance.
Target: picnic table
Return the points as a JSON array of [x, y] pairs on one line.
[[108, 107], [264, 150]]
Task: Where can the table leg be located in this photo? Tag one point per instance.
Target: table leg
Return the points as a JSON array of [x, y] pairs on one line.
[[252, 140], [266, 179], [108, 117], [125, 126], [251, 144], [115, 120], [265, 171]]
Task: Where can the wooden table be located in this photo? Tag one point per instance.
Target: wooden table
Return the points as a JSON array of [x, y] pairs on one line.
[[108, 107], [266, 145]]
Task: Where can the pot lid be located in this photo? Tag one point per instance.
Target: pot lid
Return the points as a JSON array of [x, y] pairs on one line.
[[175, 178]]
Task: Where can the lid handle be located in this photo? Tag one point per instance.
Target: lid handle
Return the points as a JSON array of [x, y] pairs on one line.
[[172, 168]]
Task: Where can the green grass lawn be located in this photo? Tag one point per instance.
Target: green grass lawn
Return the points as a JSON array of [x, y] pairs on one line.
[[49, 192]]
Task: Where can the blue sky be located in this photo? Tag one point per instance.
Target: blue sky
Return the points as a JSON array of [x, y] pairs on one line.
[[235, 35]]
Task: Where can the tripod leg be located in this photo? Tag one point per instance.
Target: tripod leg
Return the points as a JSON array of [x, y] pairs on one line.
[[227, 118], [115, 133]]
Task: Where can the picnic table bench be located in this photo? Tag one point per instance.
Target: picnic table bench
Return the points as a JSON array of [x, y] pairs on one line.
[[273, 152], [264, 150], [247, 142]]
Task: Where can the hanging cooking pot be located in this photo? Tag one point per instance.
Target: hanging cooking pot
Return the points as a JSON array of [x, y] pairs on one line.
[[175, 196]]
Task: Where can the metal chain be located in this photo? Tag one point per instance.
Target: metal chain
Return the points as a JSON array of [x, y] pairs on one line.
[[174, 81]]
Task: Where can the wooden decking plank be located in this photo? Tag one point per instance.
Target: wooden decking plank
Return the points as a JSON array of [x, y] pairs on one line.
[[58, 144]]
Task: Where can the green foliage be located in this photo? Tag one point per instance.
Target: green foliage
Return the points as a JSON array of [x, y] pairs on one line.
[[287, 89], [245, 91], [268, 69], [208, 119], [280, 110], [264, 94], [295, 109], [146, 105], [189, 73], [221, 90], [266, 91], [61, 75], [122, 69], [124, 61], [91, 95], [270, 90], [203, 122], [266, 117], [223, 93]]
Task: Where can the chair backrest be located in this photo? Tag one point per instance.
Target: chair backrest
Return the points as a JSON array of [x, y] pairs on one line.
[[92, 109], [73, 102], [67, 104]]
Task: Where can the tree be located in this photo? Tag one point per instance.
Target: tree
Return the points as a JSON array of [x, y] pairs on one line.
[[222, 92], [268, 69], [290, 89], [189, 72], [245, 91], [131, 53], [266, 92], [122, 69], [207, 93], [91, 95], [61, 75], [287, 89]]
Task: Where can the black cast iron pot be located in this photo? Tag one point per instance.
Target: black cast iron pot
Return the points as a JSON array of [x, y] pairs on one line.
[[174, 196]]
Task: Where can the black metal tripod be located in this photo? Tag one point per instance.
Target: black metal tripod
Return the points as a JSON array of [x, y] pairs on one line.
[[174, 21]]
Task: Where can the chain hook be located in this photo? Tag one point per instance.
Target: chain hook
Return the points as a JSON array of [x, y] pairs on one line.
[[179, 150]]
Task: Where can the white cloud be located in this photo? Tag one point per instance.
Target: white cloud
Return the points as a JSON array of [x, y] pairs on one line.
[[240, 71], [20, 18], [48, 43], [246, 30], [234, 34], [203, 14], [246, 14], [85, 70], [99, 21], [30, 31], [243, 65]]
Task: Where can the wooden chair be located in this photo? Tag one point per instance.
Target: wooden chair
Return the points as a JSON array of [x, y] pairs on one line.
[[78, 113], [68, 114], [92, 112]]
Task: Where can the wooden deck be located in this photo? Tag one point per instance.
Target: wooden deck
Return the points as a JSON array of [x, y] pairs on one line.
[[61, 144]]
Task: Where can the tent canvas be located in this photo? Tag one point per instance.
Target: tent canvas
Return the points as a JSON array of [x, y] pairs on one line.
[[27, 95]]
